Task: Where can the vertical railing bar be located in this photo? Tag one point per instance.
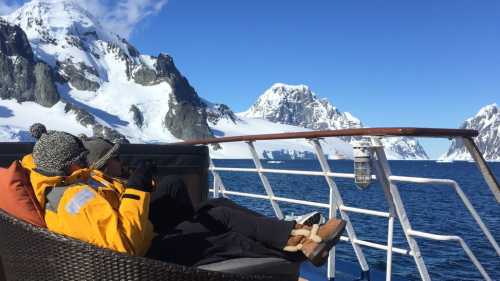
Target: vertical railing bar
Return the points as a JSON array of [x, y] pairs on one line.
[[338, 202], [483, 167], [218, 184], [476, 217], [264, 180], [384, 183], [390, 233], [465, 247], [400, 210], [474, 260], [332, 213]]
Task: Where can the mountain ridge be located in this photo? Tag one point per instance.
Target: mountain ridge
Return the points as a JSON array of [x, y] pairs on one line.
[[298, 105], [90, 61], [105, 87], [487, 123]]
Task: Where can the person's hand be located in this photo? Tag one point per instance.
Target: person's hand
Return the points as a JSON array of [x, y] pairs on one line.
[[142, 177]]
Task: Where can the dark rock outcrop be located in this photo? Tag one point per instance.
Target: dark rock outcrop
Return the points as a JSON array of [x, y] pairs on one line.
[[109, 134], [132, 51], [186, 117], [88, 120], [45, 90], [77, 75], [137, 115], [220, 111], [21, 77], [145, 76], [13, 41], [186, 121]]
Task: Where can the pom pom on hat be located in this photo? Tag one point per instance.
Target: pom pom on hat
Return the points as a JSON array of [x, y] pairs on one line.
[[37, 130]]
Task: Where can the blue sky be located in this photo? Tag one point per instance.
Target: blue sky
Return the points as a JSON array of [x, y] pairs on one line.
[[390, 63]]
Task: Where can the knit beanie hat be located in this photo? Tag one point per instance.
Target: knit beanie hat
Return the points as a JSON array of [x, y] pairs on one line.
[[56, 151], [100, 151], [37, 130]]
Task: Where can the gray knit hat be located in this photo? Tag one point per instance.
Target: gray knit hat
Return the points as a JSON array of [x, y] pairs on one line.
[[55, 151], [37, 130], [100, 151]]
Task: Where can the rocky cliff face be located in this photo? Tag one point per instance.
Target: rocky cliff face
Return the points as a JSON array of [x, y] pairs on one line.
[[22, 77], [487, 122], [218, 112], [299, 106], [91, 61]]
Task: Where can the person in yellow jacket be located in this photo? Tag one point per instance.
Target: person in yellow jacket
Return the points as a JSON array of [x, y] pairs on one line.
[[86, 204]]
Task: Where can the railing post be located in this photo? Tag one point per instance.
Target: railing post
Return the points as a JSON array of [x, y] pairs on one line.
[[264, 180], [483, 167], [390, 202], [218, 184], [390, 232], [336, 203], [382, 165]]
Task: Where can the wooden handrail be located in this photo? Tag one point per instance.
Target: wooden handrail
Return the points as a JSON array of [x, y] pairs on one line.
[[402, 132]]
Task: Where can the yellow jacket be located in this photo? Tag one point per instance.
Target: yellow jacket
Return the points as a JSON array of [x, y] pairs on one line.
[[91, 207]]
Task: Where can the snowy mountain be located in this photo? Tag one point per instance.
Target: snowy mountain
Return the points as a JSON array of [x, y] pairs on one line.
[[102, 80], [60, 67], [487, 122], [299, 106]]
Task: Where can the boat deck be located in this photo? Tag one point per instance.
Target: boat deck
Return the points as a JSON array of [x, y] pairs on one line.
[[346, 271]]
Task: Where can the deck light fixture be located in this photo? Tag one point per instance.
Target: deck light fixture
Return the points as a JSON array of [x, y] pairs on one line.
[[362, 166]]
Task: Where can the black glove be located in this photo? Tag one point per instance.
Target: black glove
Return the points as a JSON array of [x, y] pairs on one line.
[[142, 177]]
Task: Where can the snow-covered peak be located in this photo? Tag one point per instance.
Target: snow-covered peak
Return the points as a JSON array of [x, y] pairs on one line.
[[279, 94], [59, 14], [487, 112], [298, 105], [487, 122], [63, 30], [100, 74], [282, 89]]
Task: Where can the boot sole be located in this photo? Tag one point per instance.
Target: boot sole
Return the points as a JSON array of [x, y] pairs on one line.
[[316, 258]]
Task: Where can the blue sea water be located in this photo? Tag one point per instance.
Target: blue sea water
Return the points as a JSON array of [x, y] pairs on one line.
[[435, 209]]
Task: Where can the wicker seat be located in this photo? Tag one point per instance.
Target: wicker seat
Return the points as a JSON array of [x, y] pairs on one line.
[[30, 253]]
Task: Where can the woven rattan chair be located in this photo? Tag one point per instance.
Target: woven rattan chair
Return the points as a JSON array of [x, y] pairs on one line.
[[30, 253]]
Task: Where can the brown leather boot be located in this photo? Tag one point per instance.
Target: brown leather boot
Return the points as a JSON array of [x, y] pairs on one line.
[[315, 242]]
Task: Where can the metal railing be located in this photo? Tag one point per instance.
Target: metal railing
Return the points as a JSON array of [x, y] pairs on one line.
[[383, 175]]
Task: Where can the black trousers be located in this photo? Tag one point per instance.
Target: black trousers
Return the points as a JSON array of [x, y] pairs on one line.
[[217, 230]]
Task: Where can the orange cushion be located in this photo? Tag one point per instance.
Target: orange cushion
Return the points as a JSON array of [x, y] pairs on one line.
[[17, 197]]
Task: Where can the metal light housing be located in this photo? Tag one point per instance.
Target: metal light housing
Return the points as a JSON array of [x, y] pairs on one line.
[[362, 164]]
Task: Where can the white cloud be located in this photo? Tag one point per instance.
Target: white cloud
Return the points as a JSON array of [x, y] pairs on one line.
[[7, 6], [123, 15], [119, 16]]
